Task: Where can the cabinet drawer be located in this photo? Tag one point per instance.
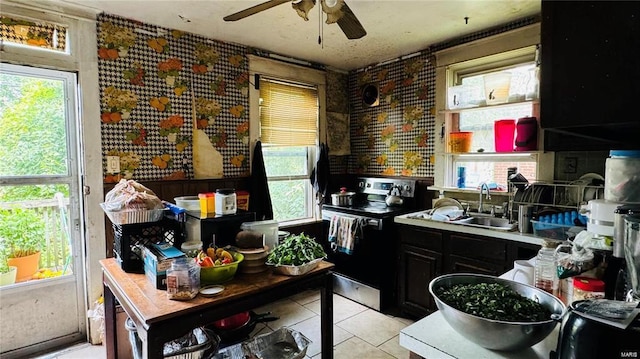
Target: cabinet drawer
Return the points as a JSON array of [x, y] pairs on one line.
[[482, 248], [422, 238]]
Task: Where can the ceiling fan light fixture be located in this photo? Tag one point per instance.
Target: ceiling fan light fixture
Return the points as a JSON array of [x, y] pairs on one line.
[[303, 7], [333, 9]]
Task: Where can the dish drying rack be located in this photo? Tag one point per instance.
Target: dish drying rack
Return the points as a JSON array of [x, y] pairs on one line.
[[568, 195]]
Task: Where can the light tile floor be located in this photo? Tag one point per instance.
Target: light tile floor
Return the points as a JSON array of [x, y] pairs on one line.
[[358, 332]]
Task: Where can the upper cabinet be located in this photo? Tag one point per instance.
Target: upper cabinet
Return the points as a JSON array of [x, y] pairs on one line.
[[590, 74]]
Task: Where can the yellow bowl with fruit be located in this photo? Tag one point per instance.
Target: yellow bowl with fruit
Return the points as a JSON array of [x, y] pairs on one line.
[[222, 270]]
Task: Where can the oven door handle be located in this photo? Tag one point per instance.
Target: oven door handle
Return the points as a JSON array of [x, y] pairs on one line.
[[370, 222]]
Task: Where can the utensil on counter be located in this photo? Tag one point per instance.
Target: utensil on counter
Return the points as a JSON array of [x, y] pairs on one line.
[[342, 198]]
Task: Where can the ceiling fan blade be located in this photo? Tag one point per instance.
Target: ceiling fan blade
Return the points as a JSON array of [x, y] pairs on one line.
[[350, 25], [254, 10]]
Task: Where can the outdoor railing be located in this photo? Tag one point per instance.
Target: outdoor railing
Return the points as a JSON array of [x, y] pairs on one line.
[[55, 241]]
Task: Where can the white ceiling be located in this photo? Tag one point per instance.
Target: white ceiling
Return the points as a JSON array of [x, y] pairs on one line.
[[394, 27]]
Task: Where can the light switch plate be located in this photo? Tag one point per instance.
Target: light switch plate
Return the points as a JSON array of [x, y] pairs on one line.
[[113, 164]]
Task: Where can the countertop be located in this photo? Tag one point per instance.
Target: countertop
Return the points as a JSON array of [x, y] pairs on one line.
[[433, 338], [508, 235]]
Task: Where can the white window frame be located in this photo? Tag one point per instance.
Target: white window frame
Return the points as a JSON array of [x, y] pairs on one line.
[[296, 74], [485, 55]]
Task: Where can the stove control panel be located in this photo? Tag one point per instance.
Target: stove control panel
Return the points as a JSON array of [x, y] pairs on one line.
[[382, 186]]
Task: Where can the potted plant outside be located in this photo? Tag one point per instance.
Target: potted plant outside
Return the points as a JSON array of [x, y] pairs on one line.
[[21, 236]]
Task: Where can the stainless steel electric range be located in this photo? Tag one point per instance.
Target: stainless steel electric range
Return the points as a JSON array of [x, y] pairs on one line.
[[369, 275]]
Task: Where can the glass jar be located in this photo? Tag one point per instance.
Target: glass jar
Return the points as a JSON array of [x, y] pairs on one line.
[[545, 273], [183, 279], [587, 288]]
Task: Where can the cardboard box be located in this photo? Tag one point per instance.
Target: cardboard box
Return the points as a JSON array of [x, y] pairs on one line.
[[157, 259]]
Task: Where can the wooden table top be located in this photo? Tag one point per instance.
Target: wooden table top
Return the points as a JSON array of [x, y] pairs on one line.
[[153, 305]]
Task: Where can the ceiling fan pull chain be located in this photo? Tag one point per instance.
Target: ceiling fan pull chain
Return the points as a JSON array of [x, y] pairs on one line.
[[320, 28]]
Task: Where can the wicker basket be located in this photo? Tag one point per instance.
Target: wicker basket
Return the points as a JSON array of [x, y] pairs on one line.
[[131, 217]]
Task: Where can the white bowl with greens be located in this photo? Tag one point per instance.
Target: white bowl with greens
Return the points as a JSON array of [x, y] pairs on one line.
[[296, 255]]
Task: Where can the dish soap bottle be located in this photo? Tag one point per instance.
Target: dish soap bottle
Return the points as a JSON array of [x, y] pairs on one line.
[[546, 273]]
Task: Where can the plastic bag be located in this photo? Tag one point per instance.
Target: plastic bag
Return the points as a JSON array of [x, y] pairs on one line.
[[573, 263], [587, 239], [97, 315]]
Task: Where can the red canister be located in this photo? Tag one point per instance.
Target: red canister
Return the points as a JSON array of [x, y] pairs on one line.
[[503, 133], [527, 134]]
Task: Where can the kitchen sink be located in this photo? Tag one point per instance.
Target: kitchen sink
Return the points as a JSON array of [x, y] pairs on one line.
[[486, 222]]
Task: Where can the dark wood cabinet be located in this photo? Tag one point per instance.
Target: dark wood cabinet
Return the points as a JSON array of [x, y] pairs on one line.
[[589, 74], [457, 264], [426, 253], [418, 267]]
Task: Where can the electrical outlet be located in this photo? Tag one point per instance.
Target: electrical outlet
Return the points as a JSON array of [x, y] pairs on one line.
[[113, 164], [570, 165]]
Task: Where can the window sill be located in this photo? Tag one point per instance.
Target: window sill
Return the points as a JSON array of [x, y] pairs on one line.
[[297, 222]]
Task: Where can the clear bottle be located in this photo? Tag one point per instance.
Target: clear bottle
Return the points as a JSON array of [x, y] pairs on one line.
[[546, 272], [183, 279]]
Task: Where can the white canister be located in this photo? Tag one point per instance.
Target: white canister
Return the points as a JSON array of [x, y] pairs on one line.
[[226, 201]]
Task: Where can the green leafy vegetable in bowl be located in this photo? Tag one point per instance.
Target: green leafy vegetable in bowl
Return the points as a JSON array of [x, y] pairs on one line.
[[493, 301], [296, 250]]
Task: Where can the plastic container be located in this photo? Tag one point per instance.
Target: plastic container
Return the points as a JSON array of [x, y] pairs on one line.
[[526, 134], [269, 228], [622, 177], [183, 279], [545, 275], [460, 142], [496, 87], [503, 134], [190, 203], [225, 201], [587, 288], [550, 230], [221, 273]]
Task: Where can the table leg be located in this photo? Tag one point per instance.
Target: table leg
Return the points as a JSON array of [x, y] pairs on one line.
[[110, 336], [326, 318]]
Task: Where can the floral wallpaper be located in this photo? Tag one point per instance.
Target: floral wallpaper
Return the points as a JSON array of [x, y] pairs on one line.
[[394, 138], [158, 87]]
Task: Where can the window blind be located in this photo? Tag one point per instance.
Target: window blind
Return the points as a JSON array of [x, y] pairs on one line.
[[288, 114]]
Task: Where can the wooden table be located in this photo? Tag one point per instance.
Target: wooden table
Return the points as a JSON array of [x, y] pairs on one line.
[[159, 320]]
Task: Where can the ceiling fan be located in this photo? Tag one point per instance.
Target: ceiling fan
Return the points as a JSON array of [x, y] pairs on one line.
[[337, 12]]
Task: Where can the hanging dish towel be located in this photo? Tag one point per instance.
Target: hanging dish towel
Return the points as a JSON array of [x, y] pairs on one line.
[[260, 202], [344, 233]]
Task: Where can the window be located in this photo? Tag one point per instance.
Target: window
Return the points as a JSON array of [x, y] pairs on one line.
[[37, 174], [288, 130], [287, 116], [480, 83]]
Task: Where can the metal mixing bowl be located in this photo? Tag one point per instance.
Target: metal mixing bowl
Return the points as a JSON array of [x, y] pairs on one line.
[[496, 334]]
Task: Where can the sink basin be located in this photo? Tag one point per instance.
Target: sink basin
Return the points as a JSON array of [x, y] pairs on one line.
[[486, 222]]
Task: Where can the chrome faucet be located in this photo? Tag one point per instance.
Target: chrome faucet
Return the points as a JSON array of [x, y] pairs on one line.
[[483, 185]]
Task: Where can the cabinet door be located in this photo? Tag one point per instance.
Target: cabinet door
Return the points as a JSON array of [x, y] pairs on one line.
[[459, 264], [418, 267], [481, 248], [585, 85]]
